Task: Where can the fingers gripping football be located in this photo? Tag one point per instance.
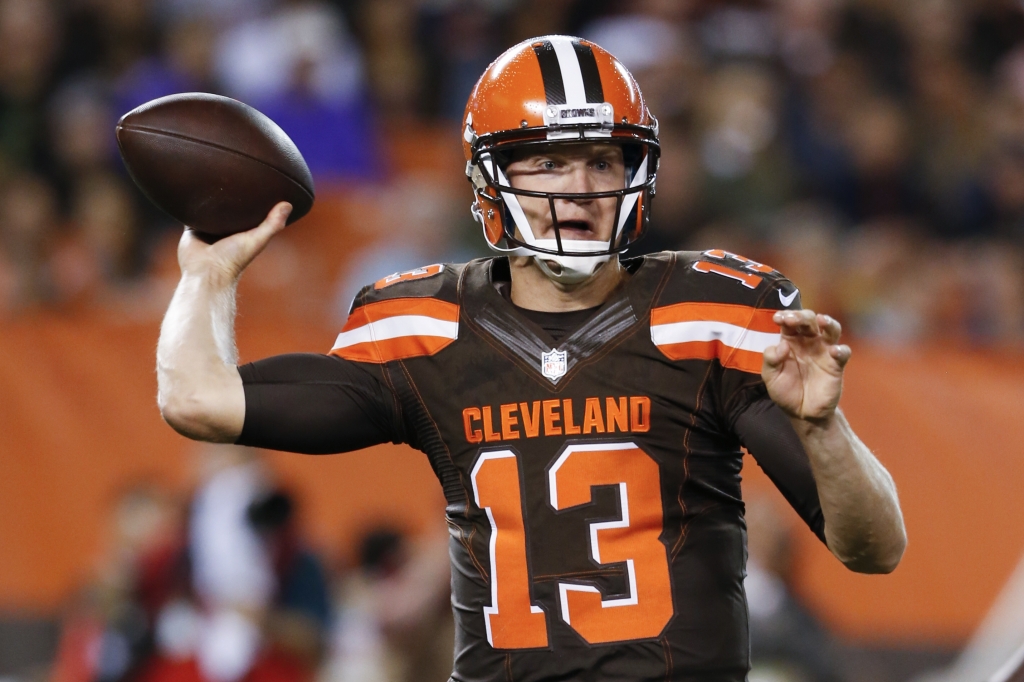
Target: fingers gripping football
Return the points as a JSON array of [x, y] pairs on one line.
[[804, 371], [227, 257]]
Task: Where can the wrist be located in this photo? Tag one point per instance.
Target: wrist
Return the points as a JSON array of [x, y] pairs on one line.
[[808, 426], [212, 279]]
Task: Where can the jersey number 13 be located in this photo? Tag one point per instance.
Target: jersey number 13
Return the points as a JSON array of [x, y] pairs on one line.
[[512, 620]]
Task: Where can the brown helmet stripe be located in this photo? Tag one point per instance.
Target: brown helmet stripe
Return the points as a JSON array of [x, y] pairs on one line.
[[588, 69], [551, 73]]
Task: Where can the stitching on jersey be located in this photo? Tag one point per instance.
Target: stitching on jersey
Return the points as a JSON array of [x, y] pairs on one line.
[[458, 471], [399, 412], [668, 658], [686, 462], [484, 573], [467, 544], [447, 452], [508, 667], [662, 284]]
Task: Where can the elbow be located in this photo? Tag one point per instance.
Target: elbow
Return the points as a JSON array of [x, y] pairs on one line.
[[877, 558], [192, 415]]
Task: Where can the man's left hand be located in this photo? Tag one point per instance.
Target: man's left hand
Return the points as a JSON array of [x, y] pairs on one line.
[[804, 371]]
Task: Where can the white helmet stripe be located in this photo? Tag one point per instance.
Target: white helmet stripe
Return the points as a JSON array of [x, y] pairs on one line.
[[513, 206], [572, 76], [630, 199]]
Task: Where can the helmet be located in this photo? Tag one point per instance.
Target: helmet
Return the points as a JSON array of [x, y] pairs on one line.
[[565, 90]]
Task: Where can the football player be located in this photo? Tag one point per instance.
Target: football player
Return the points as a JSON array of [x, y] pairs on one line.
[[584, 413]]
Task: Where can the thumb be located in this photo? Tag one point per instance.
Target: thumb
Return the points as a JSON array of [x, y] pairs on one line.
[[256, 239], [775, 355], [275, 221]]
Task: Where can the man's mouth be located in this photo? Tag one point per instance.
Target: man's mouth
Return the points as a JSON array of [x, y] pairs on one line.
[[575, 229]]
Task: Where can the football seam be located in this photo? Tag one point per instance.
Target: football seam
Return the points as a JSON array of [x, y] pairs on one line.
[[214, 145]]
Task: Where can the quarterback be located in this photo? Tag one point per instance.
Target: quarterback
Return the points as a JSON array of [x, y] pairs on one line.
[[585, 413]]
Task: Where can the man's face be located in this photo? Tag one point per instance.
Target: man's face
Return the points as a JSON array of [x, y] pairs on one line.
[[570, 168]]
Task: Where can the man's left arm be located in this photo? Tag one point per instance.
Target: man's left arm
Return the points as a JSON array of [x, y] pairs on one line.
[[804, 375]]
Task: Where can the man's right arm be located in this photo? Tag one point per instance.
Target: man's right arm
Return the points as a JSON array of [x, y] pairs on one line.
[[200, 391]]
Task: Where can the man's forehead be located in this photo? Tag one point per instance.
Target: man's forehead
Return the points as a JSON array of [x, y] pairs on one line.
[[579, 149]]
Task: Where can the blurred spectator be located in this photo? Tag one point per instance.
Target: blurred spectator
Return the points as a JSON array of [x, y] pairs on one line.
[[107, 635], [28, 224], [462, 39], [101, 254], [81, 136], [787, 643], [301, 66], [396, 71], [651, 41], [29, 40], [996, 27], [244, 600], [184, 64], [396, 619]]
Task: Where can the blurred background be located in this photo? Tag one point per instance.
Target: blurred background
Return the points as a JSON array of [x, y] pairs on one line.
[[872, 150]]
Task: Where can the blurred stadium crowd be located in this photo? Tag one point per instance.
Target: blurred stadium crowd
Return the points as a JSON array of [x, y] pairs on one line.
[[223, 587], [872, 150]]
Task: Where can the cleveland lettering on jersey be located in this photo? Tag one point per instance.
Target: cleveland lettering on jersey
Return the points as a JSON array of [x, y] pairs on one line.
[[546, 418]]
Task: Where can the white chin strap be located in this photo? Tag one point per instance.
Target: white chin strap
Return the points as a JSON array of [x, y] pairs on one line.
[[576, 266], [570, 269]]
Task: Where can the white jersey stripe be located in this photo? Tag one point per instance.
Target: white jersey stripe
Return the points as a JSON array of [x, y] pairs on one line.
[[395, 327], [707, 330], [572, 77]]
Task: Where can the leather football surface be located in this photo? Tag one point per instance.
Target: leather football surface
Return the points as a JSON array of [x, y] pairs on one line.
[[213, 163]]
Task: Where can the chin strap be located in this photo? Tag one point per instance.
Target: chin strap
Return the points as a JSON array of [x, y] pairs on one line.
[[570, 269], [561, 269]]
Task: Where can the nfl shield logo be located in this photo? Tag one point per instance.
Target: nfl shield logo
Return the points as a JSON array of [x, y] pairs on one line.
[[553, 364]]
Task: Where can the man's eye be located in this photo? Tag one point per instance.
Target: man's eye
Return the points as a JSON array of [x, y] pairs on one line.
[[548, 165], [602, 165]]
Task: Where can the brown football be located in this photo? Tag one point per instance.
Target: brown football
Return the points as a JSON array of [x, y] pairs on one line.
[[213, 163]]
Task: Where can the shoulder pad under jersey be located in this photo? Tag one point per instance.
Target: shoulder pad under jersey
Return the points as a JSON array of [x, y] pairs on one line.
[[719, 305], [718, 276], [439, 280], [405, 315]]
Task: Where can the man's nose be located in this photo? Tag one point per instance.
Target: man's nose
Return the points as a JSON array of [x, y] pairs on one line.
[[579, 181]]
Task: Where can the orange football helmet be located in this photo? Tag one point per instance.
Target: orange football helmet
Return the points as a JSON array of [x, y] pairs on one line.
[[558, 89]]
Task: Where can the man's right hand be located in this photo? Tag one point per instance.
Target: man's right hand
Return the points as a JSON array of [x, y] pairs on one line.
[[225, 259], [200, 392]]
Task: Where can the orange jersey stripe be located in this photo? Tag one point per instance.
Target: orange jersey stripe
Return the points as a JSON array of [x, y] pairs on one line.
[[397, 330], [427, 307], [754, 319], [734, 358], [388, 350]]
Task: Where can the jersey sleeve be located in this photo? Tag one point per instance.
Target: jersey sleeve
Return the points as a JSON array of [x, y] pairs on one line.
[[743, 345], [765, 431], [745, 329], [316, 404]]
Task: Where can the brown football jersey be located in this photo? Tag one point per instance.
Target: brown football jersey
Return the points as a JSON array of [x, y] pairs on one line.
[[592, 484]]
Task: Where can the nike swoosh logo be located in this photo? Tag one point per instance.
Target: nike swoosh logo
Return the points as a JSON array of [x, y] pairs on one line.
[[787, 300]]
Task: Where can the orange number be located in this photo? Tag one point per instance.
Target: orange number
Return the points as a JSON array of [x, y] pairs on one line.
[[748, 279], [721, 254], [634, 539], [512, 621]]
